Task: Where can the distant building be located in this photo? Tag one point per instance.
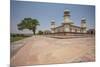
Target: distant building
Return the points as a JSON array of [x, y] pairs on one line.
[[91, 31], [68, 26], [46, 32]]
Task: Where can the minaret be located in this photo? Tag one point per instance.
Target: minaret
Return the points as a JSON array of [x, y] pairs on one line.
[[53, 26], [83, 25], [67, 17], [67, 21]]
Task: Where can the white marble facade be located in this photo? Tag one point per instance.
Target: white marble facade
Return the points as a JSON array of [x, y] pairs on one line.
[[68, 25]]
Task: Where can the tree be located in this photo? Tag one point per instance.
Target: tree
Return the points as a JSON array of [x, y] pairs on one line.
[[28, 23]]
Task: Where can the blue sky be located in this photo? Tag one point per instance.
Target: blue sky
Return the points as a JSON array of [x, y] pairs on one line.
[[45, 11]]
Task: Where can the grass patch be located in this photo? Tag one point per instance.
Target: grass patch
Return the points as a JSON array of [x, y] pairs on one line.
[[12, 39], [16, 37]]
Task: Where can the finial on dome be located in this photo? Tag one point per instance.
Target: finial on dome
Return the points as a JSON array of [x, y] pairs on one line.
[[53, 19]]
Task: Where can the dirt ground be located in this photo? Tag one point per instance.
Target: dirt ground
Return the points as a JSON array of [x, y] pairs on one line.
[[46, 50]]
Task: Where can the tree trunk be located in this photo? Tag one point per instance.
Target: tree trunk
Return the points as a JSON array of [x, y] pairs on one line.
[[33, 32], [34, 29]]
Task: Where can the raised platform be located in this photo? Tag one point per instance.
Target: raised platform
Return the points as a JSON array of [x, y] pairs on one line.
[[67, 35]]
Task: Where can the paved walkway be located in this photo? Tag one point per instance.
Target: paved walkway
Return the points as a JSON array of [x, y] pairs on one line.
[[16, 46], [46, 50]]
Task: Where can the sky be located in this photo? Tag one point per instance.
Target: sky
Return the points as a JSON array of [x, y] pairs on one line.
[[45, 12]]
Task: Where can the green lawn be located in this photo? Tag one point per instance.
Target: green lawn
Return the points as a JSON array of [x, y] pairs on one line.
[[12, 39]]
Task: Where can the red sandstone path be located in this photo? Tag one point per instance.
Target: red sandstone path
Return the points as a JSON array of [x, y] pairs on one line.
[[46, 50]]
